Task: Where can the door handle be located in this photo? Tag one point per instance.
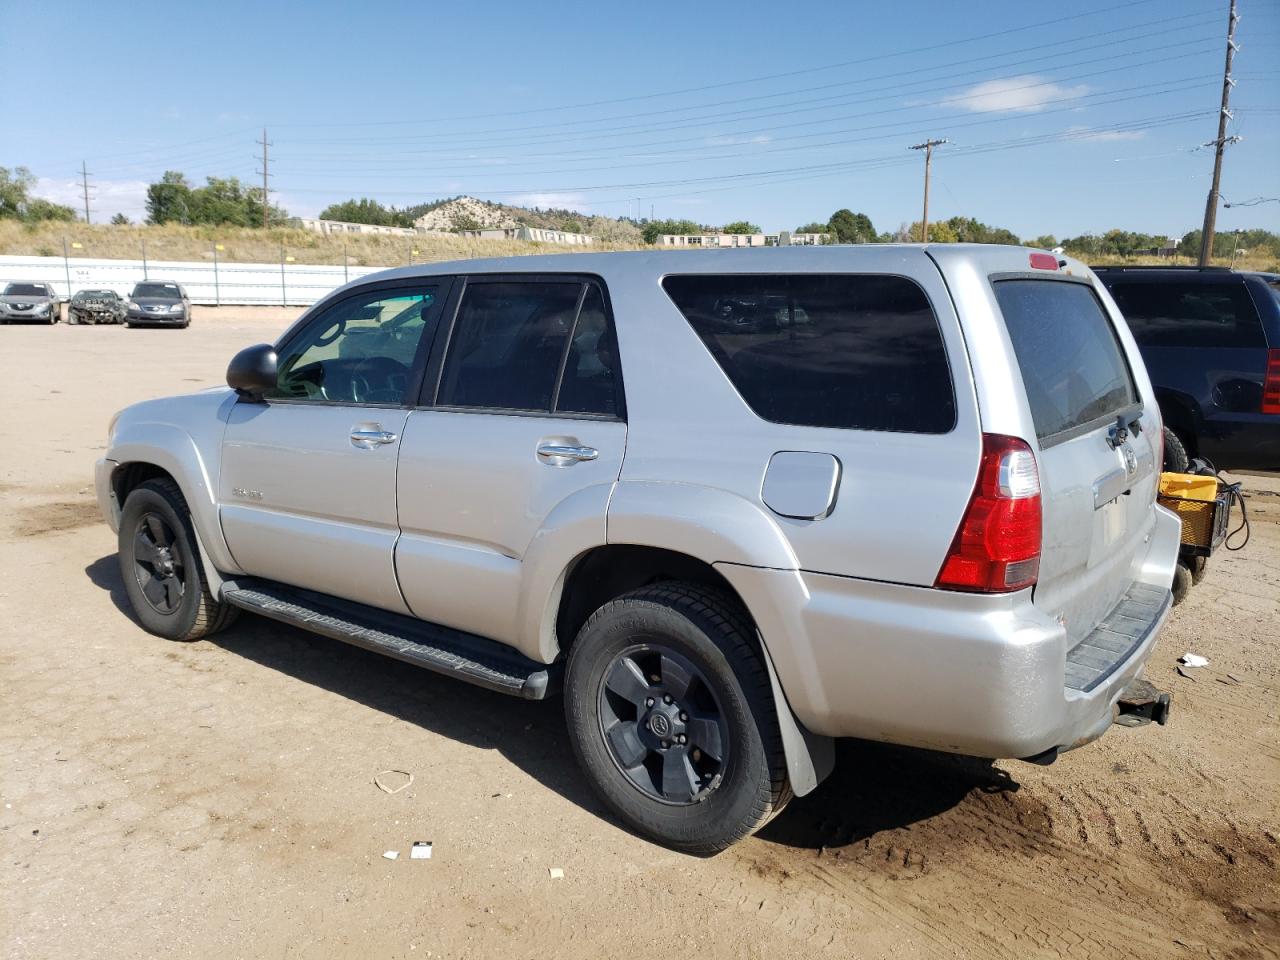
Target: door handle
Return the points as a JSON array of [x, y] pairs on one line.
[[368, 436], [563, 454]]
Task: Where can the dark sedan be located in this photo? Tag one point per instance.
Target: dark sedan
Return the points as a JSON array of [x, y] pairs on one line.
[[158, 303]]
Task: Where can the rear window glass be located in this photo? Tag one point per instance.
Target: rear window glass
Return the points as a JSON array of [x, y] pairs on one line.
[[1164, 314], [1072, 365], [858, 352]]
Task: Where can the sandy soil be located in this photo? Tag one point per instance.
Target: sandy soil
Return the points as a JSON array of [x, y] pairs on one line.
[[215, 799]]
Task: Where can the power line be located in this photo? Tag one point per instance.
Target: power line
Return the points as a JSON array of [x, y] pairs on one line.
[[552, 130], [1108, 10]]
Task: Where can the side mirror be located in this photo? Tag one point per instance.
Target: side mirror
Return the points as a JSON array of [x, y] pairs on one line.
[[252, 372]]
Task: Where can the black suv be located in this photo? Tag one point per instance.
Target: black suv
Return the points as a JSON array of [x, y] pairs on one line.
[[1211, 341]]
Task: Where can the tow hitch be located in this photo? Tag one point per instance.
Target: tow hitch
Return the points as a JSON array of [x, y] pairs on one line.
[[1140, 703]]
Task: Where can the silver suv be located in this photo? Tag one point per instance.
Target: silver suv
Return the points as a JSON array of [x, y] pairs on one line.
[[910, 498]]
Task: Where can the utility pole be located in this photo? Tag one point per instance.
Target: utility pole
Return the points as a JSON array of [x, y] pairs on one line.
[[1211, 206], [84, 180], [927, 147], [266, 192]]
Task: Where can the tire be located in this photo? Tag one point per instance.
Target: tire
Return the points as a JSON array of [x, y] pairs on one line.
[[161, 566], [694, 645], [1175, 453], [1199, 566], [1182, 581]]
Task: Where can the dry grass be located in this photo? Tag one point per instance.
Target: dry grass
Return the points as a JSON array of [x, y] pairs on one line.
[[247, 245], [1248, 261]]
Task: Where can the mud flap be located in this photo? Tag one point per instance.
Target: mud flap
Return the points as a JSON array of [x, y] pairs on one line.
[[810, 757]]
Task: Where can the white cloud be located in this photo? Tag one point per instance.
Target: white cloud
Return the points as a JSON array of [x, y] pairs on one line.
[[1104, 136], [1026, 94], [561, 201], [106, 197]]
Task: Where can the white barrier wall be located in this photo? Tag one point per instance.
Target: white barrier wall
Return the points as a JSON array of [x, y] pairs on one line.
[[292, 284]]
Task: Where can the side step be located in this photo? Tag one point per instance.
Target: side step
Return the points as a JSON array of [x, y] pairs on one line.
[[486, 663]]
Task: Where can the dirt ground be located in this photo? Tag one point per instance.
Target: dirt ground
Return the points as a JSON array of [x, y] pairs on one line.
[[216, 799]]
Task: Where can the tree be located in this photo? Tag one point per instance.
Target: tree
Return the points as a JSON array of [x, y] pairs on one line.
[[814, 228], [652, 229], [220, 201], [169, 200], [850, 227], [614, 231], [120, 220], [365, 210], [1045, 241], [741, 226], [16, 202]]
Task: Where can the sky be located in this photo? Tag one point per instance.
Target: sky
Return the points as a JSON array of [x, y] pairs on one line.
[[1061, 119]]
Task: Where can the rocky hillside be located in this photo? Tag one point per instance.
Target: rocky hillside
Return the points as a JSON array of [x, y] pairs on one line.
[[468, 213]]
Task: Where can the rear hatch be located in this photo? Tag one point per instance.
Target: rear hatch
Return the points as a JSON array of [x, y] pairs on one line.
[[1097, 442]]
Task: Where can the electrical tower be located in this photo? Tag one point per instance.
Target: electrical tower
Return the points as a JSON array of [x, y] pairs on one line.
[[266, 191], [927, 147], [1220, 143]]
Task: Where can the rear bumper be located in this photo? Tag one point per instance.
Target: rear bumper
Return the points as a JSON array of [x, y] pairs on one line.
[[1249, 441], [965, 673]]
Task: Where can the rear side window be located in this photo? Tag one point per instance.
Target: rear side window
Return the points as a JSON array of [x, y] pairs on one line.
[[858, 352], [534, 347], [1164, 314], [1073, 367]]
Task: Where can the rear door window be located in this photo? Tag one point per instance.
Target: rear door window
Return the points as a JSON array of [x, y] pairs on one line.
[[1073, 367], [534, 346], [850, 351], [1164, 314]]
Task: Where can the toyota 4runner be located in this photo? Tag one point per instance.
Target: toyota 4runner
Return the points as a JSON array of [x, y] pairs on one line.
[[917, 505]]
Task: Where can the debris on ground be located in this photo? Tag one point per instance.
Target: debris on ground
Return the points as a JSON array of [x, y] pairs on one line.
[[391, 855], [1184, 672], [1193, 660], [421, 850], [556, 873], [386, 780]]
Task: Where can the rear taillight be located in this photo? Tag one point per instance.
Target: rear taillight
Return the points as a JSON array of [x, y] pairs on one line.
[[1271, 385], [997, 547]]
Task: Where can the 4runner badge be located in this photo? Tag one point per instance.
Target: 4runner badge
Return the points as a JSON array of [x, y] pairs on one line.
[[244, 494]]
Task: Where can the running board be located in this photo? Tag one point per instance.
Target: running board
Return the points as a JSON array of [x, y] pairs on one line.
[[485, 663]]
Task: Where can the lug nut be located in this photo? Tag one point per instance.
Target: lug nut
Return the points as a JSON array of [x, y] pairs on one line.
[[684, 717], [648, 701], [667, 698], [665, 744], [682, 738]]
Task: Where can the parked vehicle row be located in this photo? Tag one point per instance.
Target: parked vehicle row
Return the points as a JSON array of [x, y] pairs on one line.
[[732, 505], [151, 303]]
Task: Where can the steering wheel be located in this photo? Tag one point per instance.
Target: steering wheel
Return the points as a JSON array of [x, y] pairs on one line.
[[376, 374]]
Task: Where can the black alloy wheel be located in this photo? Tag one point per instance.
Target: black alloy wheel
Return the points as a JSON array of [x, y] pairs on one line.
[[158, 564], [663, 725]]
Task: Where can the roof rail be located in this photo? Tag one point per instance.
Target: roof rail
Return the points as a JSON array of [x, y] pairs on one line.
[[1121, 267]]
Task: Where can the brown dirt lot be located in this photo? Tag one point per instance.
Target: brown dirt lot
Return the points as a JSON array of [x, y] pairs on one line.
[[215, 799]]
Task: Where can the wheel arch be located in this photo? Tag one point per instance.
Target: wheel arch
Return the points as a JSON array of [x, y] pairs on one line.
[[145, 451], [605, 572]]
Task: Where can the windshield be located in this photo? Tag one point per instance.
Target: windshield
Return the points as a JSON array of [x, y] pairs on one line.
[[157, 291], [25, 290]]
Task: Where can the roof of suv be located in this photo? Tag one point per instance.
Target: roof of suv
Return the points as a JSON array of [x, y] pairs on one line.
[[1168, 272], [782, 259]]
